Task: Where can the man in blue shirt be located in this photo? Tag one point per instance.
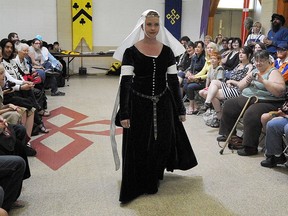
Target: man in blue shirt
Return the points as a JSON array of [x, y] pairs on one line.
[[277, 34]]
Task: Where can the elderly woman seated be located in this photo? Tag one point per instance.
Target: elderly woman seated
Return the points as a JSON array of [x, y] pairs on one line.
[[267, 84]]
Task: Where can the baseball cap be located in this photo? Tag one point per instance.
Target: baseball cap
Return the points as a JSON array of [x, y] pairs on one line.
[[39, 37]]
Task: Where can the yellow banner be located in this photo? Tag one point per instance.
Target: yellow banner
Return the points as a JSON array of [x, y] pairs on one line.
[[82, 22]]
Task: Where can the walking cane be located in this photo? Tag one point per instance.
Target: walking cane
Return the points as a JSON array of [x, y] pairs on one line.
[[237, 121]]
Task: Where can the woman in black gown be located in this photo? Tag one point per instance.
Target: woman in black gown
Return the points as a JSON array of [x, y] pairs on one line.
[[151, 111]]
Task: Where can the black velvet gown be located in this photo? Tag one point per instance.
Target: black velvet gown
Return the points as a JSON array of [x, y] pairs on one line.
[[148, 149]]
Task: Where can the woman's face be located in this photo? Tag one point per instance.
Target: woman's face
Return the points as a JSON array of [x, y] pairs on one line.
[[235, 44], [190, 50], [230, 44], [23, 53], [256, 28], [257, 48], [282, 53], [8, 50], [262, 64], [37, 45], [242, 55], [2, 76], [152, 26], [214, 61], [199, 49], [207, 40], [209, 49]]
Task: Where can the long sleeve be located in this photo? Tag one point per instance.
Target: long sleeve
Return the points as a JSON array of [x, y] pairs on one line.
[[173, 85], [125, 90]]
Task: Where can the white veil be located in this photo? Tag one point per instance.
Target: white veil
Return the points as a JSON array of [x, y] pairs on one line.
[[164, 36]]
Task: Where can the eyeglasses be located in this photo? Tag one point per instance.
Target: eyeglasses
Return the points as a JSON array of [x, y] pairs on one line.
[[37, 43]]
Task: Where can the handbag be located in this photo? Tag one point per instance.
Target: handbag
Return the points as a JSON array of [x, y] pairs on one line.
[[33, 77]]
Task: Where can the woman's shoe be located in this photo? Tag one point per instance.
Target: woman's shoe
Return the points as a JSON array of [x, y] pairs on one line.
[[43, 129], [205, 107], [44, 113], [215, 123], [221, 138], [189, 112]]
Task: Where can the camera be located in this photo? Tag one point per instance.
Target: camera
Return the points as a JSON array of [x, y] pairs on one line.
[[8, 85]]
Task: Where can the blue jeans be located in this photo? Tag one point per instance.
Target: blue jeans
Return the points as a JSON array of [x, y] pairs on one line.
[[41, 74], [274, 131], [191, 88]]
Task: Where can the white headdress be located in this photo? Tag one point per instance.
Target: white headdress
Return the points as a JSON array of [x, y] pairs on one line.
[[164, 36]]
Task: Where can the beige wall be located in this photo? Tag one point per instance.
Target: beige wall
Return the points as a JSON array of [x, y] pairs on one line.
[[228, 23], [64, 29], [268, 8]]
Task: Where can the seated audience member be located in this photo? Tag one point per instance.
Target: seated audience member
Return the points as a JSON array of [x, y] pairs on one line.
[[281, 63], [185, 62], [264, 82], [24, 97], [276, 35], [207, 40], [258, 47], [57, 49], [232, 59], [275, 129], [3, 212], [193, 80], [28, 71], [255, 36], [13, 36], [37, 59], [228, 50], [223, 47], [223, 90], [197, 82], [40, 61], [184, 41], [218, 41], [12, 169], [215, 72]]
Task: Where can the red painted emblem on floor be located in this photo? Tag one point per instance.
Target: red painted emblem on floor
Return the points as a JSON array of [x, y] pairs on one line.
[[57, 158]]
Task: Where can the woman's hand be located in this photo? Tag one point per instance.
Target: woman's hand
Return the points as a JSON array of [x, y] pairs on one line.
[[249, 78], [27, 86], [12, 107], [188, 73], [7, 91], [231, 83], [125, 123], [182, 118]]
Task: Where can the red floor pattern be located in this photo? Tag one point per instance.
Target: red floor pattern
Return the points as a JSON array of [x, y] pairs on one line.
[[56, 160]]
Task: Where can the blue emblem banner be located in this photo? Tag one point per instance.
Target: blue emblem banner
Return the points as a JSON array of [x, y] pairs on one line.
[[173, 16]]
